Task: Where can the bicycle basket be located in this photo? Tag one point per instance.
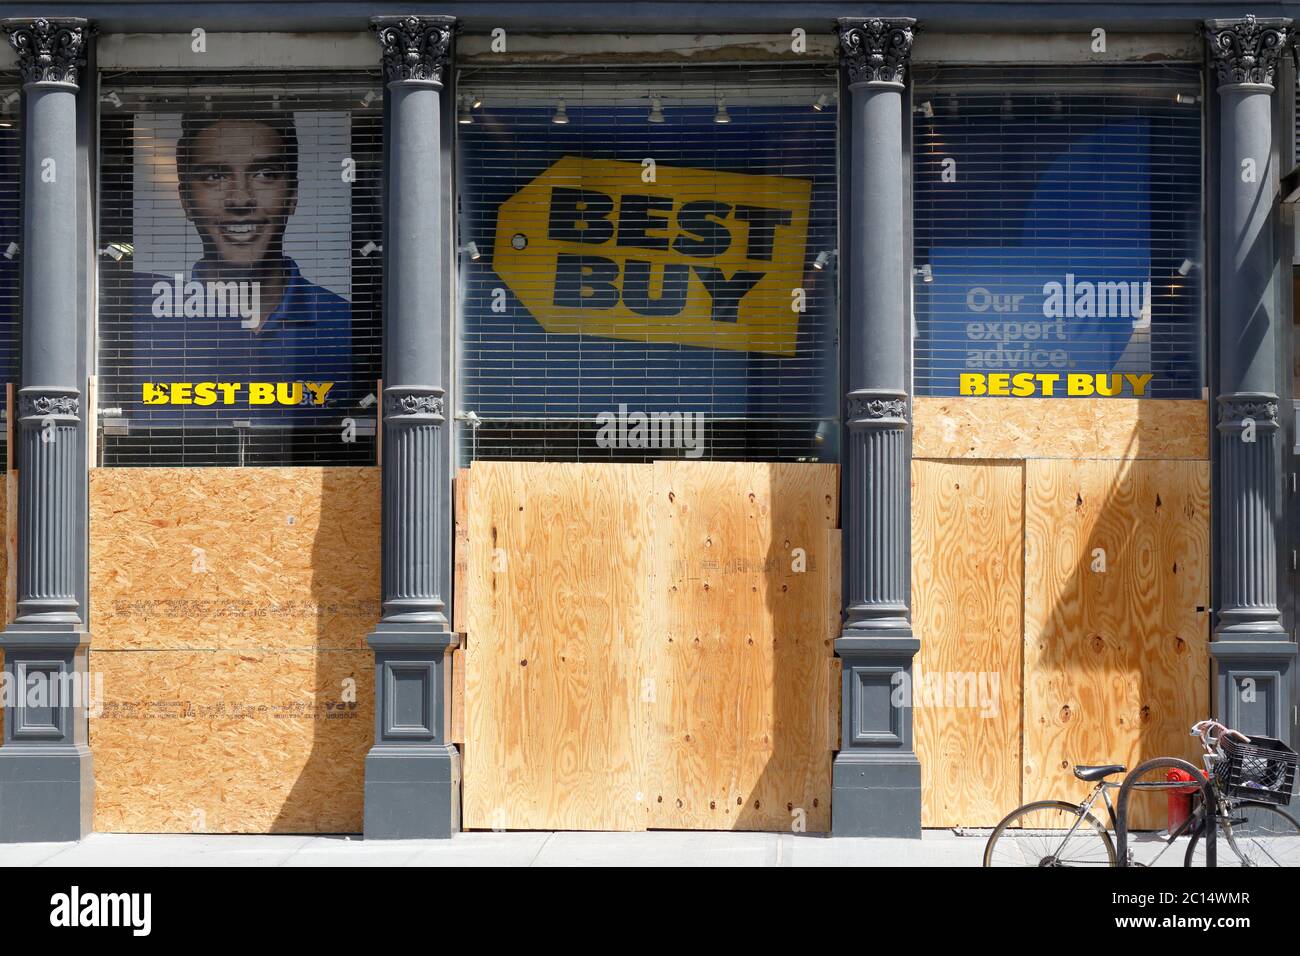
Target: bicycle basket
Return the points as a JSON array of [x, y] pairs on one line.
[[1262, 770]]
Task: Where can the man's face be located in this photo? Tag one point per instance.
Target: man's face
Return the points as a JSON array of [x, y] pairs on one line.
[[238, 192]]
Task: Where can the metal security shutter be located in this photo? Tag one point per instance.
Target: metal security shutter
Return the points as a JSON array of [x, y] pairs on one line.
[[1058, 224], [10, 240], [231, 340], [632, 241]]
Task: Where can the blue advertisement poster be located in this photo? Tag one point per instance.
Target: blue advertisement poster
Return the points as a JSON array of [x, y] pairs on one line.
[[1058, 260], [600, 279]]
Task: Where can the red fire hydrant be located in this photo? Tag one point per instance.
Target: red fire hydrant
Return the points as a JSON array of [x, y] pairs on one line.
[[1180, 798]]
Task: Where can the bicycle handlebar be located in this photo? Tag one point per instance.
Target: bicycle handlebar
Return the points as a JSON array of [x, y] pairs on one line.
[[1204, 728]]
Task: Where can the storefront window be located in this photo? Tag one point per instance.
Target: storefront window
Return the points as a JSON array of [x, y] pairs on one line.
[[241, 250], [1058, 233], [645, 253]]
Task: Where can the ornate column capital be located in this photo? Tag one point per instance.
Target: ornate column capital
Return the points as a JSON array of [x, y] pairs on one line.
[[1245, 51], [414, 48], [876, 51], [49, 51]]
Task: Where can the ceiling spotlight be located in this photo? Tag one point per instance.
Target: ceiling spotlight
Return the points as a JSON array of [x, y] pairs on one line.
[[924, 273], [821, 102], [112, 97], [561, 117], [463, 116], [475, 101], [1186, 266], [472, 249], [117, 251], [11, 99], [369, 247], [824, 259], [722, 116], [11, 250], [926, 109], [656, 110], [1187, 99], [370, 97]]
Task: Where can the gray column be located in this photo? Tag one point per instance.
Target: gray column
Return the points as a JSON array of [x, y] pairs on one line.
[[412, 772], [877, 778], [1252, 652], [46, 788]]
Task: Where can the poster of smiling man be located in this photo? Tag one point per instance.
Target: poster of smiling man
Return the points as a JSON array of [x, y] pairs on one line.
[[241, 257]]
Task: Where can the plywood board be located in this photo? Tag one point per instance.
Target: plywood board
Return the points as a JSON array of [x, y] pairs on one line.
[[558, 599], [234, 557], [231, 741], [650, 645], [1015, 428], [1116, 665], [739, 665], [967, 607]]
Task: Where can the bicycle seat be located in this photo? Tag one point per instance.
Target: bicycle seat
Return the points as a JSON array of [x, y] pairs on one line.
[[1097, 773]]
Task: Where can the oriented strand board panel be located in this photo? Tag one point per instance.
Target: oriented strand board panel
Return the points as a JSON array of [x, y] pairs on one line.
[[229, 612], [1116, 666], [558, 598], [233, 557], [231, 741], [967, 609], [1059, 428], [739, 663], [649, 645]]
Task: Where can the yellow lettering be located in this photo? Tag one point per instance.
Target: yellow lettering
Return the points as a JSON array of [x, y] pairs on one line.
[[154, 394], [181, 393], [318, 391], [205, 393], [1139, 383], [288, 393], [1000, 383], [1079, 384], [261, 393]]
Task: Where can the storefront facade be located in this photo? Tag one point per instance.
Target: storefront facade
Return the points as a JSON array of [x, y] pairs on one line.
[[761, 416]]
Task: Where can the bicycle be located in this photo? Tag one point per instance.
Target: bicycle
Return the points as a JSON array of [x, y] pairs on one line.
[[1250, 780]]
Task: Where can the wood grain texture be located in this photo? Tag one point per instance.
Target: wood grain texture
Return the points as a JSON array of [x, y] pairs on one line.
[[967, 609], [234, 557], [231, 741], [1116, 663], [642, 651], [557, 601], [740, 661], [987, 428]]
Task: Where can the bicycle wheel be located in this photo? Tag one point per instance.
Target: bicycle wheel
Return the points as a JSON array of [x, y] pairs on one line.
[[1035, 835], [1254, 834]]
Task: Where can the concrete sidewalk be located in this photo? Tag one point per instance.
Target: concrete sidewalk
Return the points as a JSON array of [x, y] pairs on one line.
[[936, 848]]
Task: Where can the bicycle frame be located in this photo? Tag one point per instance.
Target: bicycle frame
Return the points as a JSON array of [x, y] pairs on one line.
[[1193, 822]]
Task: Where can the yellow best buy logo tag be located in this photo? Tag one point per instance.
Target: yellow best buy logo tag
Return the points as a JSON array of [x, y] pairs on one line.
[[696, 257]]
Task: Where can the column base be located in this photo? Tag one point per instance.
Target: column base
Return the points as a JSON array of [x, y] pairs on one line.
[[47, 789], [412, 793], [46, 796], [876, 795]]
